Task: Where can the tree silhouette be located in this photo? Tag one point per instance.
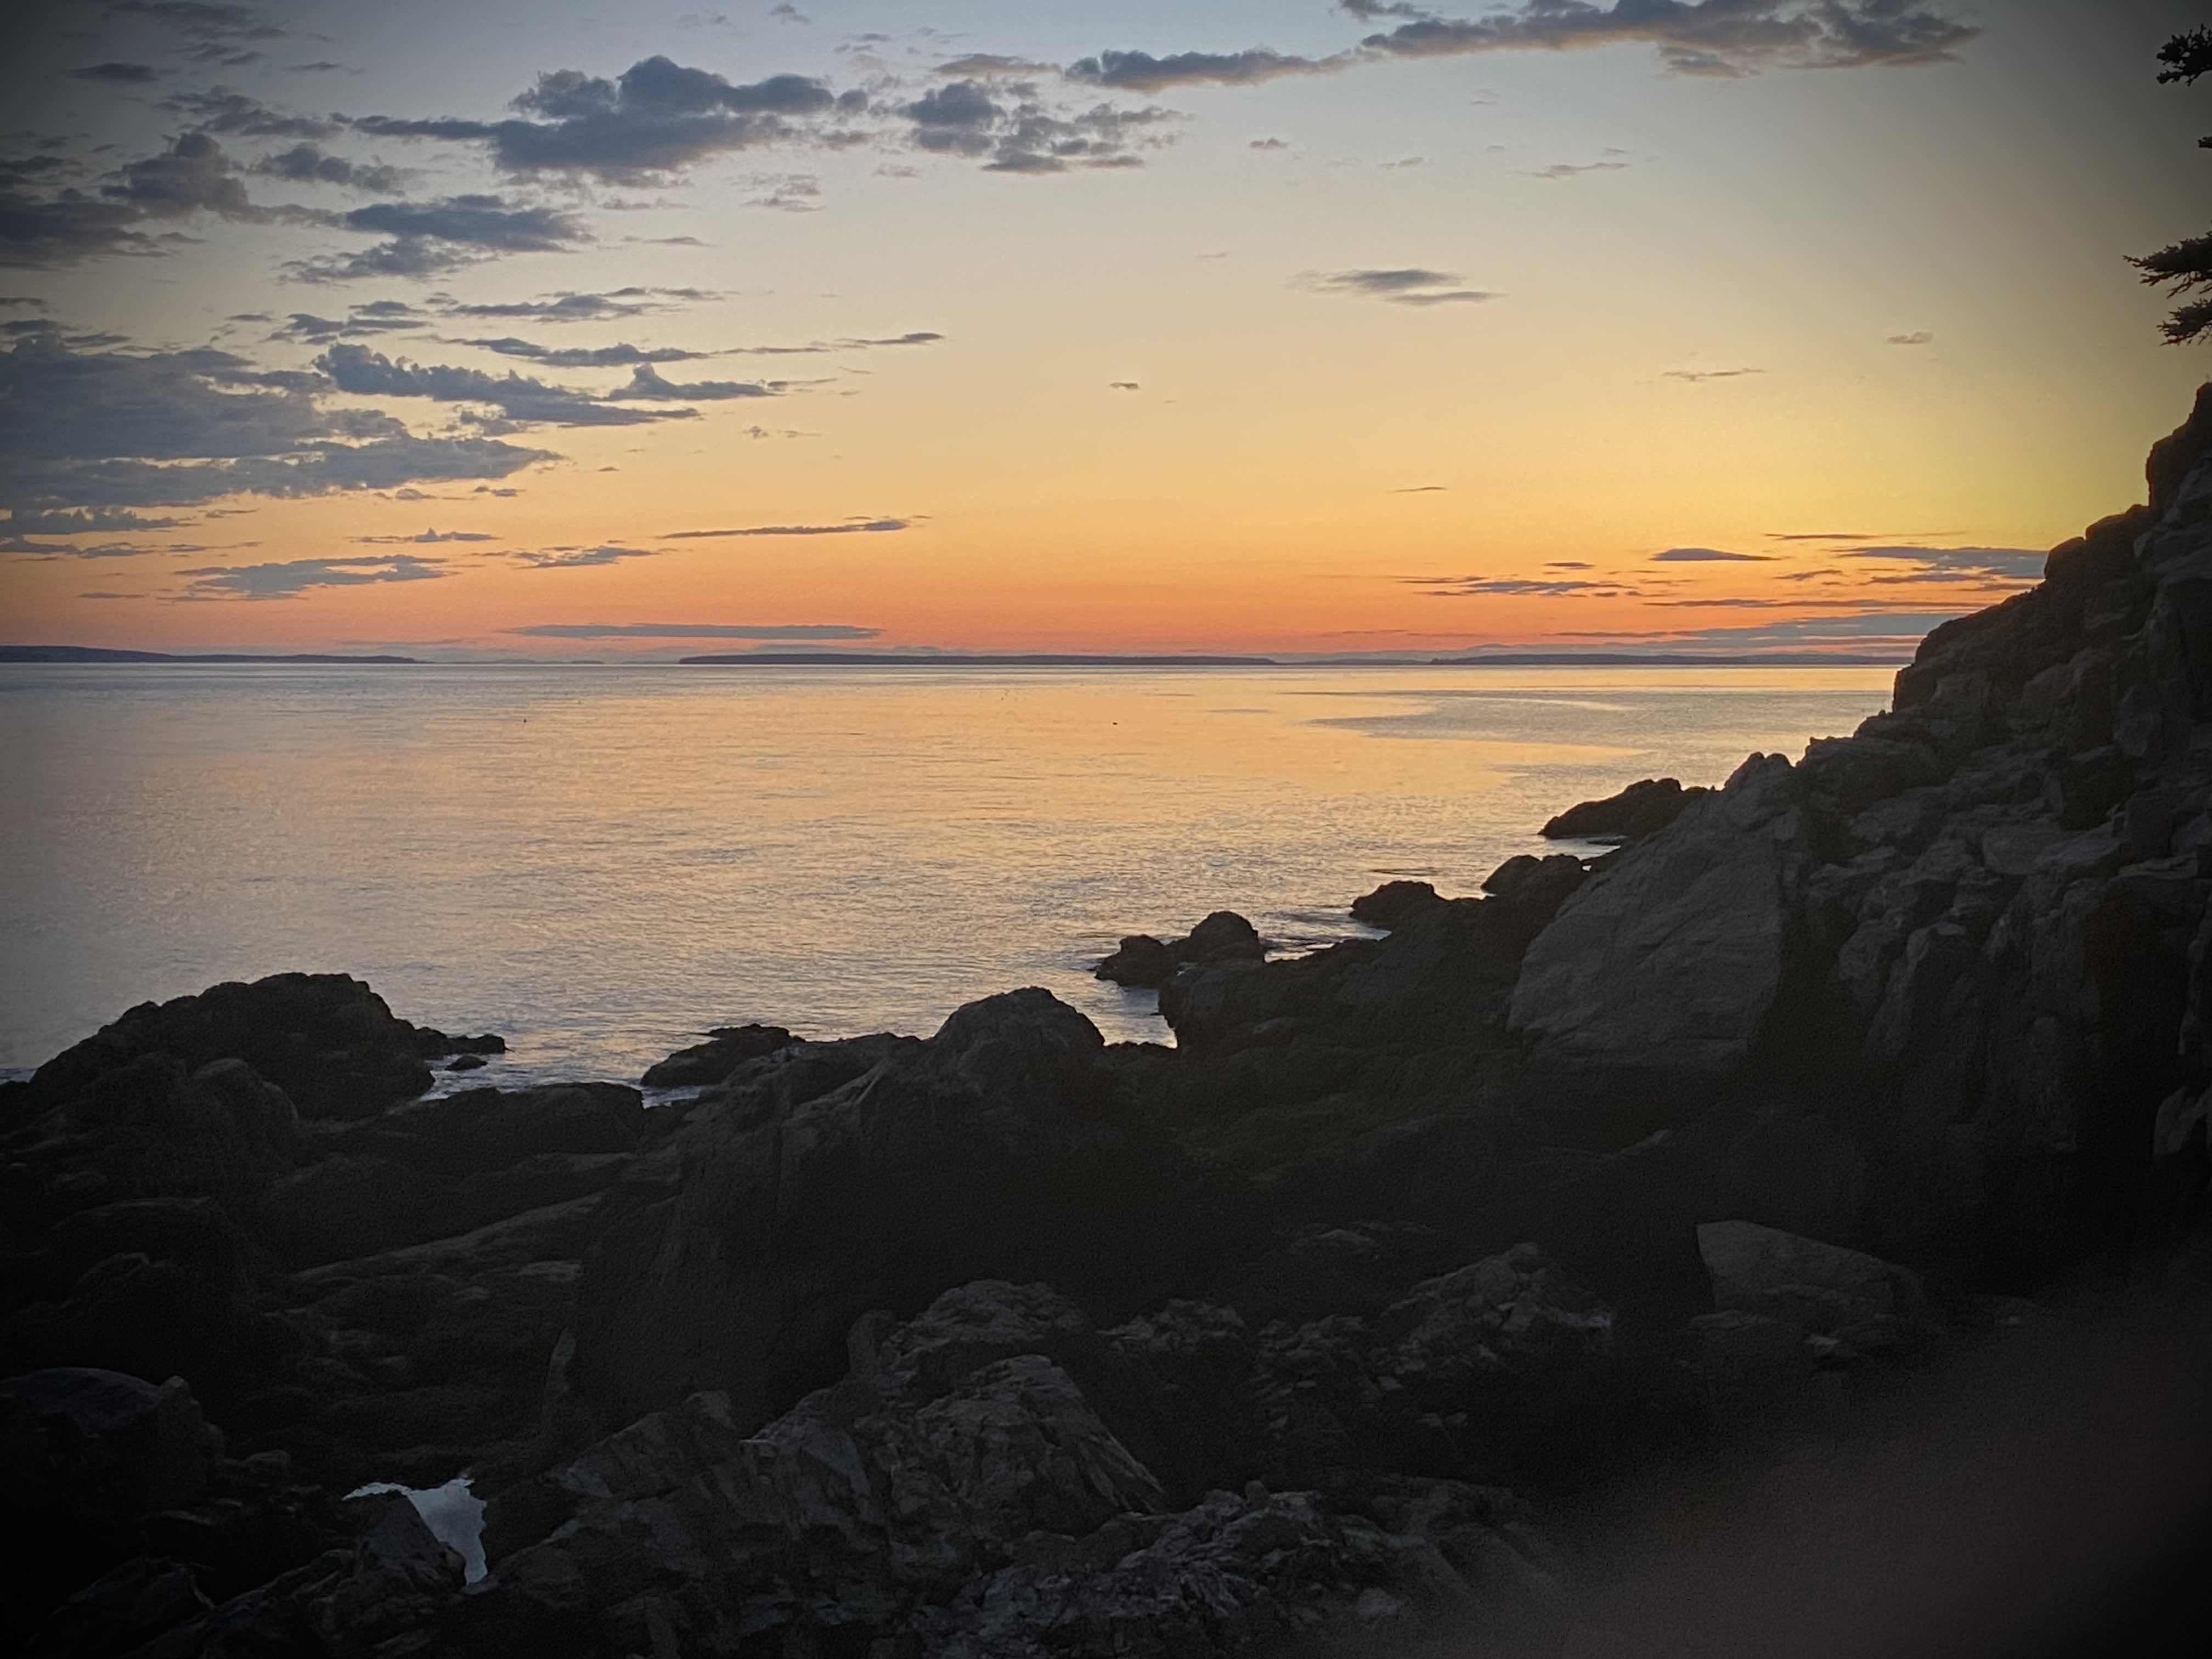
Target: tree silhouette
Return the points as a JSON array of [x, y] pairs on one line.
[[2185, 266]]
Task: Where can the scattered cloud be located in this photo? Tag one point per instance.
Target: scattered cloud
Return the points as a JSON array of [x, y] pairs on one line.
[[376, 317], [1124, 386], [1464, 587], [651, 122], [1268, 144], [1576, 169], [115, 74], [1011, 129], [1420, 489], [426, 537], [234, 114], [619, 356], [1707, 555], [1698, 376], [106, 430], [431, 239], [1407, 285], [1985, 564], [310, 164], [1140, 71], [290, 578], [364, 373], [696, 631], [581, 558], [646, 385], [850, 527], [573, 307], [82, 521], [1918, 338]]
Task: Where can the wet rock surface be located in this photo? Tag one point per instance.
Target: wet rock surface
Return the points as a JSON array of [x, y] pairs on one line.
[[1005, 1341]]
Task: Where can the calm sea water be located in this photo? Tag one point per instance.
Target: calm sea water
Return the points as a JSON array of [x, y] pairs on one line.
[[601, 862]]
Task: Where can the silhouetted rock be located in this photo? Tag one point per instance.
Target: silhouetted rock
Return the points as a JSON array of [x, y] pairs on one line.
[[1394, 903], [727, 1048], [1142, 960], [795, 1204], [1637, 810], [1138, 960], [327, 1041], [1671, 959]]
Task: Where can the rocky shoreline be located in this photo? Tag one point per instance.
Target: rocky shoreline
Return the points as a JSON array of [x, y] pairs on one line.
[[1008, 1341]]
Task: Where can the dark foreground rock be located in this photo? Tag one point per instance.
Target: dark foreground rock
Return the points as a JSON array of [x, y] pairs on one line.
[[1008, 1342], [1143, 961], [1640, 810]]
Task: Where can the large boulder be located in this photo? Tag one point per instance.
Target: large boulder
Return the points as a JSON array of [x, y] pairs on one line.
[[326, 1040], [800, 1198], [1640, 810], [727, 1048], [1671, 959]]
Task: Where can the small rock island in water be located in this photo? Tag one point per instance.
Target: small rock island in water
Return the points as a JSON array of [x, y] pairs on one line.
[[1777, 1137]]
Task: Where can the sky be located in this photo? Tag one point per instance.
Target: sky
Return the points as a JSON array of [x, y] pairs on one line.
[[550, 330]]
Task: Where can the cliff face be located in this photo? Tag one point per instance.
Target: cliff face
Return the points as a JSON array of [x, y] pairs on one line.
[[1971, 936]]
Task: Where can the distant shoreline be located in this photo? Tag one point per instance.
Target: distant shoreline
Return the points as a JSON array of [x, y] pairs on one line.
[[101, 656]]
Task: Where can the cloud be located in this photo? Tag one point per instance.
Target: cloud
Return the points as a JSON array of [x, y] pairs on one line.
[[290, 578], [118, 74], [66, 550], [1268, 144], [1576, 169], [579, 558], [1463, 587], [1698, 376], [1123, 385], [193, 176], [653, 121], [1716, 37], [1420, 489], [429, 239], [426, 537], [1707, 555], [310, 164], [364, 373], [1874, 627], [1407, 285], [105, 430], [96, 593], [2007, 564], [234, 114], [610, 356], [376, 317], [645, 384], [570, 308], [200, 21], [1009, 129], [1918, 337], [39, 233], [850, 527], [82, 521], [1139, 71], [696, 631], [1699, 38]]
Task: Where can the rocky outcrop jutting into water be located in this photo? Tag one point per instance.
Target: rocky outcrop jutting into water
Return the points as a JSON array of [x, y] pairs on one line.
[[1005, 1341]]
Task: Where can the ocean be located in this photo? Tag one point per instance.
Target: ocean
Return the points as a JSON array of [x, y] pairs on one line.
[[599, 863]]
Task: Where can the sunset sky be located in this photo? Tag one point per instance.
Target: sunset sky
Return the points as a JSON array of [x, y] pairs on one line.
[[556, 330]]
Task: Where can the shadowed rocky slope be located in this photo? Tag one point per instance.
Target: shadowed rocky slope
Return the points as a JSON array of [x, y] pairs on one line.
[[1008, 1342]]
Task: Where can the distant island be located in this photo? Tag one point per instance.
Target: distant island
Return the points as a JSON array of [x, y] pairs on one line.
[[97, 654], [1515, 659], [89, 653], [901, 659]]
